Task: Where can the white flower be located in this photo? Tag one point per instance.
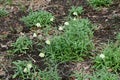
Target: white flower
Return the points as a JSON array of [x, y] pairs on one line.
[[52, 19], [60, 28], [66, 23], [34, 35], [29, 65], [42, 55], [75, 13], [47, 42], [102, 56], [25, 70], [38, 25]]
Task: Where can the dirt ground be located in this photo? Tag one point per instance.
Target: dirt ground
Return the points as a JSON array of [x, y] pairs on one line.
[[107, 19]]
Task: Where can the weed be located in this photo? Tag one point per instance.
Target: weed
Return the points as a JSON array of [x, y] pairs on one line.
[[76, 11], [75, 42], [103, 74], [26, 70], [79, 75], [51, 74], [41, 18], [3, 13], [99, 3], [109, 58], [23, 69], [118, 36], [8, 2], [21, 45]]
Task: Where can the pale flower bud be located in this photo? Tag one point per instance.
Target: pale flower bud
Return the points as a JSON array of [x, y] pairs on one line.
[[38, 25], [102, 56], [47, 42], [25, 70], [75, 13], [60, 28], [34, 35], [29, 65], [52, 19], [42, 55], [66, 23]]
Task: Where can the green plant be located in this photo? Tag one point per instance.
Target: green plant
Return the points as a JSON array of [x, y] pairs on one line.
[[76, 11], [118, 36], [6, 2], [1, 1], [25, 70], [103, 74], [74, 43], [109, 58], [3, 13], [22, 45], [99, 3], [51, 74], [39, 19], [79, 75]]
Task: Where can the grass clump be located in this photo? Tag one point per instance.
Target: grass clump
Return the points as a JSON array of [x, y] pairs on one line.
[[51, 74], [75, 42], [100, 3], [38, 18], [101, 74], [6, 1], [76, 11], [22, 45], [25, 70], [110, 58], [118, 37], [3, 13]]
